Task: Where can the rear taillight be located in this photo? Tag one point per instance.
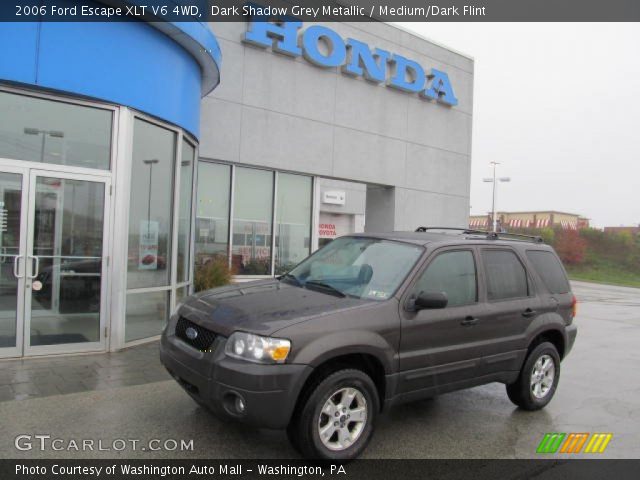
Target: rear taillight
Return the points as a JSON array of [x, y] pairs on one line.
[[574, 307]]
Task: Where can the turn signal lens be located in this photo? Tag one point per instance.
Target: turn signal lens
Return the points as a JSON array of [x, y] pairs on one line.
[[574, 307], [280, 353]]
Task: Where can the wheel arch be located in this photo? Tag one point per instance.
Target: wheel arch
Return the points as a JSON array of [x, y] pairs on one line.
[[551, 335], [365, 361]]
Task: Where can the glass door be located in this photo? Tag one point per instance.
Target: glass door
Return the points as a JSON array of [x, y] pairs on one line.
[[53, 261], [13, 185], [65, 263]]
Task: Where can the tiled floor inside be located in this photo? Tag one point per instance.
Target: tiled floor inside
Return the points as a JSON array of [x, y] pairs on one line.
[[41, 377]]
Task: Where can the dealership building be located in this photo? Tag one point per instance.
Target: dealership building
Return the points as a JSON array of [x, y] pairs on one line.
[[133, 153]]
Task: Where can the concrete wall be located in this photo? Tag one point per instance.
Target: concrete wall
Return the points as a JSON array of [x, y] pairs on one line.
[[280, 112], [355, 196]]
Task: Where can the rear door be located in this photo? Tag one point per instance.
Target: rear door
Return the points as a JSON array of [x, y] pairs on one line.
[[511, 307], [440, 346]]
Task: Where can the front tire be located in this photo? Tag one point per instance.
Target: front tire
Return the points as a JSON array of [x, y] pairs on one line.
[[337, 419], [538, 378]]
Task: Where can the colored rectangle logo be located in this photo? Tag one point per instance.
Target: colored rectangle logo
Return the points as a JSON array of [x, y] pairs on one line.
[[572, 443]]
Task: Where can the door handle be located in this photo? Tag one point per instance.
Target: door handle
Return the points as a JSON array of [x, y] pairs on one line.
[[469, 321], [16, 266], [35, 269], [529, 313]]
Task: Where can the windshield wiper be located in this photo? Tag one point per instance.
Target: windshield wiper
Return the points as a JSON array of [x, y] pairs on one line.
[[325, 286], [290, 276]]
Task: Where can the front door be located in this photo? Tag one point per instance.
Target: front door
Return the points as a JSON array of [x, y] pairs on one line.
[[52, 261], [440, 347]]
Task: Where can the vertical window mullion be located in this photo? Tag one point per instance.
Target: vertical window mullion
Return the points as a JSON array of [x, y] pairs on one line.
[[192, 222], [231, 215], [274, 219], [177, 160], [315, 214]]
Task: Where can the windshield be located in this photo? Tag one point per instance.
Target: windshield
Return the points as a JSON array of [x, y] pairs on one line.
[[364, 268]]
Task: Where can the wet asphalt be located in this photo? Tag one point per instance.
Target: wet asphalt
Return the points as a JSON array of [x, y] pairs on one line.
[[599, 391]]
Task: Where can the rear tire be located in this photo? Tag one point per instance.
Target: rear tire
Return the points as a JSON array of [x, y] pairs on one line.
[[337, 417], [538, 378]]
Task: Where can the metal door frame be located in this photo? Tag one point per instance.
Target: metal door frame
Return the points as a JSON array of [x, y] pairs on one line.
[[100, 345], [20, 263], [30, 172]]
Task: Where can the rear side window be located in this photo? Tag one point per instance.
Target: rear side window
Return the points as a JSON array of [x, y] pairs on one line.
[[506, 276], [453, 273], [549, 269]]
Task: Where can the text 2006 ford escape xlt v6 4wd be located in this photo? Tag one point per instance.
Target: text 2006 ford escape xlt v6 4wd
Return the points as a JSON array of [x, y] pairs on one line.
[[370, 321]]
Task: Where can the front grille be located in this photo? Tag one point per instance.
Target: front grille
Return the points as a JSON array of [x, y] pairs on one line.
[[202, 341]]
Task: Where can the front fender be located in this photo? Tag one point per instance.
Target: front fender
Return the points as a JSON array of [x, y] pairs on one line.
[[333, 345]]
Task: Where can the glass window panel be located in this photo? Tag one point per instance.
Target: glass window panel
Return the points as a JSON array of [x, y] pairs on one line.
[[10, 212], [147, 314], [184, 214], [67, 240], [181, 293], [46, 131], [252, 204], [453, 273], [506, 277], [150, 207], [212, 212], [550, 270], [293, 217]]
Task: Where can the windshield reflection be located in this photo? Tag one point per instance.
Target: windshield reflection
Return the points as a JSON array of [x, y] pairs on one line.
[[357, 267]]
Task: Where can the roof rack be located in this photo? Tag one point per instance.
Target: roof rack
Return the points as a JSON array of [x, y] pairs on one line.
[[463, 230], [489, 235], [531, 238]]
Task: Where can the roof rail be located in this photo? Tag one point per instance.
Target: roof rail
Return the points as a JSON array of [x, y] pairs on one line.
[[489, 235], [499, 235], [463, 230]]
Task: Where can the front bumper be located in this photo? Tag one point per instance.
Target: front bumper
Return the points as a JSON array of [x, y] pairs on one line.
[[269, 392]]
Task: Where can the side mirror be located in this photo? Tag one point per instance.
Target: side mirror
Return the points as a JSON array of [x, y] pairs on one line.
[[431, 300]]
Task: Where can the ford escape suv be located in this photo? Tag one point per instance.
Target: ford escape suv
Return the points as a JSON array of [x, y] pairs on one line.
[[370, 321]]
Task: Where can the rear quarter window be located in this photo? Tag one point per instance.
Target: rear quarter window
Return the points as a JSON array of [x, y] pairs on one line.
[[550, 270], [506, 276]]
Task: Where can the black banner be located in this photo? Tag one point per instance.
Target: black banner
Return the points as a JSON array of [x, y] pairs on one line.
[[289, 469], [321, 10]]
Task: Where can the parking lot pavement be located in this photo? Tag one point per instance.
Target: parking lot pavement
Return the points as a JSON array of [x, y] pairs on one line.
[[598, 392]]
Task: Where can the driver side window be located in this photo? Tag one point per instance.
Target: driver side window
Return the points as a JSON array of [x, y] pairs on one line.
[[453, 273]]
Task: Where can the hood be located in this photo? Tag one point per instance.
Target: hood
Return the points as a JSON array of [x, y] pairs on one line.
[[262, 307]]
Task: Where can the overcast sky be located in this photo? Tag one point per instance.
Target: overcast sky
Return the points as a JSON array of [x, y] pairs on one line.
[[558, 105]]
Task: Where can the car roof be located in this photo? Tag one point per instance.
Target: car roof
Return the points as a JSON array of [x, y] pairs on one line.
[[456, 237]]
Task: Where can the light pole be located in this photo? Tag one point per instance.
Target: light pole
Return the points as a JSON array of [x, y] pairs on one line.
[[44, 133], [151, 162], [495, 180]]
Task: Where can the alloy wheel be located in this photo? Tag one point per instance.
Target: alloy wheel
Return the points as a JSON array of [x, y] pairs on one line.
[[342, 418], [542, 376]]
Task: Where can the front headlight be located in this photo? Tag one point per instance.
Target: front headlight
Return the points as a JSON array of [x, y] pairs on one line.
[[255, 348]]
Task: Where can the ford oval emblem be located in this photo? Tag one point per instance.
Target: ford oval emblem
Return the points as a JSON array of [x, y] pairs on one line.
[[191, 333]]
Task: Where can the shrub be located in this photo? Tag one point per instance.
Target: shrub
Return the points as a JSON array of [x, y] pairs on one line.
[[548, 235], [571, 247], [257, 266], [213, 273]]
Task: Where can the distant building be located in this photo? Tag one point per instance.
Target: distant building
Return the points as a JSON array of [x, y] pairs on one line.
[[541, 219]]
